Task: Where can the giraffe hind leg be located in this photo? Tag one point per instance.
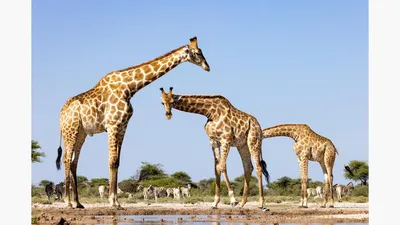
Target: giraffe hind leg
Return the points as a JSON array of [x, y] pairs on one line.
[[248, 169], [78, 146]]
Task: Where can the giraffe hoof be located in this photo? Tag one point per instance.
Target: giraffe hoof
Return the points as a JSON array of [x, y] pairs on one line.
[[322, 206], [213, 207], [79, 206], [331, 206], [265, 209], [303, 207], [233, 204]]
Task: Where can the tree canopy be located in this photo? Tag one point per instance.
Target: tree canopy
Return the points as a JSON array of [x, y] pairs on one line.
[[182, 176], [150, 171], [360, 171], [35, 157]]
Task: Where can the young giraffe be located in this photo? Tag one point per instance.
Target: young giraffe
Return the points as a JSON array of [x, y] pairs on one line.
[[309, 146], [107, 108], [226, 126]]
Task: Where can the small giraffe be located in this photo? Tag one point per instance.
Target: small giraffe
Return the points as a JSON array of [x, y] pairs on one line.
[[106, 108], [309, 146], [226, 126]]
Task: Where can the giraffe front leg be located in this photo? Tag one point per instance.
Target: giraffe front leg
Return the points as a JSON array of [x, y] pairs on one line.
[[224, 155], [114, 143], [216, 149], [303, 163]]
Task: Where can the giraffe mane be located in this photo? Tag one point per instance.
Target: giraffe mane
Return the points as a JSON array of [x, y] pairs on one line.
[[150, 61]]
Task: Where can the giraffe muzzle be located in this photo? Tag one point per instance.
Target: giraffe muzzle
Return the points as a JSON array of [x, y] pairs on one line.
[[168, 115], [205, 66]]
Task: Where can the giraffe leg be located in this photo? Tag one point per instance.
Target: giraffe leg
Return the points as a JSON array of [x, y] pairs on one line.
[[216, 150], [225, 147], [69, 146], [329, 162], [326, 184], [115, 140], [248, 169], [77, 150], [254, 145], [303, 163]]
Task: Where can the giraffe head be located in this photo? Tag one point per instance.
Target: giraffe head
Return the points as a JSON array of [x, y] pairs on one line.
[[195, 55], [167, 99]]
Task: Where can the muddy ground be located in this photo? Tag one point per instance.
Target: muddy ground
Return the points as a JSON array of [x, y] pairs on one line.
[[279, 213]]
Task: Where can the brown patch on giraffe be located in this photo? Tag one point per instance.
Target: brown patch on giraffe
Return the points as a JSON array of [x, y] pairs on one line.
[[138, 76]]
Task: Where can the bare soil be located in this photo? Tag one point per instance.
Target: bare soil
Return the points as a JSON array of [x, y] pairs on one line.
[[343, 212]]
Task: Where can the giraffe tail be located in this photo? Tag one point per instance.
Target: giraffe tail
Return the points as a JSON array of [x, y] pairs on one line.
[[346, 167], [59, 153], [264, 168]]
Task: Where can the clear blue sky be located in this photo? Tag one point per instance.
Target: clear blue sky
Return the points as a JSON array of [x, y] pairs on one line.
[[281, 61]]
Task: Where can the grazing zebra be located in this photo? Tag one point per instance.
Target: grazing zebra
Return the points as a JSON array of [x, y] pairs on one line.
[[103, 190], [177, 193], [170, 192], [343, 190], [186, 191], [147, 191], [317, 192], [311, 192]]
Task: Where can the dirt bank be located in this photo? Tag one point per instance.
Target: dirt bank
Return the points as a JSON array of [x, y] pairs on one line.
[[279, 213]]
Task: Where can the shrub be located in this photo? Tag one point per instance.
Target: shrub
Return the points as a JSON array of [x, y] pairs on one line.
[[129, 185], [360, 190], [167, 182]]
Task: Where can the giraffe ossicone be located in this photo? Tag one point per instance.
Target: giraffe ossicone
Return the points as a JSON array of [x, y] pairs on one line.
[[106, 108]]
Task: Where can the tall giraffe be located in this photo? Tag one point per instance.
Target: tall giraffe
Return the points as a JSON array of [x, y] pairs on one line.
[[309, 146], [226, 126], [106, 108]]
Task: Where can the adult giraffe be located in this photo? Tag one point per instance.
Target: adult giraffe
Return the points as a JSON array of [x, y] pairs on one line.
[[106, 108]]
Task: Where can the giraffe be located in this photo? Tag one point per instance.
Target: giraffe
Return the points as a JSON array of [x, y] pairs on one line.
[[226, 127], [309, 146], [106, 108]]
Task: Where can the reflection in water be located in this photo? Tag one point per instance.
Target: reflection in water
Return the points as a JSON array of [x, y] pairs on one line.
[[200, 220]]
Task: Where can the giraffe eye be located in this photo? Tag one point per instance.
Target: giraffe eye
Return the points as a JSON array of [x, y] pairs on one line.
[[162, 103]]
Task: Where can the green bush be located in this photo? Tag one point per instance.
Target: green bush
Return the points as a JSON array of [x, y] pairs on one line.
[[167, 182], [360, 190]]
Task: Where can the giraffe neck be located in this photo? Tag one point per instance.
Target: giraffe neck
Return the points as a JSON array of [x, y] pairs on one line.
[[209, 106], [130, 80], [287, 130]]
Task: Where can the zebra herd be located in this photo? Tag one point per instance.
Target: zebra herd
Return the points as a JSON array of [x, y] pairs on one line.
[[154, 192], [340, 190]]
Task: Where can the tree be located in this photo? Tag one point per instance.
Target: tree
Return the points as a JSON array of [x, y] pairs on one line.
[[150, 172], [360, 171], [43, 183], [99, 181], [238, 185], [81, 179], [35, 154], [184, 177]]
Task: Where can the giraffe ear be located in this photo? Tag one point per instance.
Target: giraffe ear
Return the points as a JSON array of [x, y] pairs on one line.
[[193, 42], [176, 98]]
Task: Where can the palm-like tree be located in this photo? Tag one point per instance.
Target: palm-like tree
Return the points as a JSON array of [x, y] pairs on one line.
[[35, 154]]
